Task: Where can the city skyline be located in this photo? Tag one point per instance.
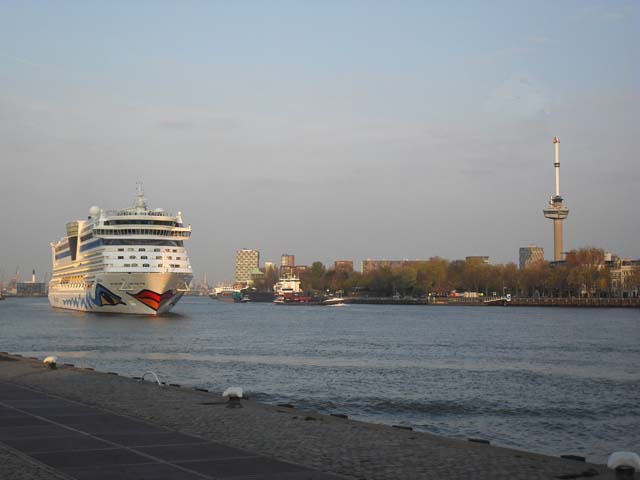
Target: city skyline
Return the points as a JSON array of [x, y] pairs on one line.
[[384, 136]]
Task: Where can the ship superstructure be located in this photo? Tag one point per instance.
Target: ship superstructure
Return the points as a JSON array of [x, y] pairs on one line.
[[123, 261]]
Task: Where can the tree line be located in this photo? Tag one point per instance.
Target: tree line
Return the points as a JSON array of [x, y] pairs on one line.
[[585, 273]]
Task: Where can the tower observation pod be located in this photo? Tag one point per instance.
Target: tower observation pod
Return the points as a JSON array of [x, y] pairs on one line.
[[556, 210]]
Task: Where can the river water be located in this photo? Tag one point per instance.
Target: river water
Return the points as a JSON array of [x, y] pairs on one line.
[[550, 380]]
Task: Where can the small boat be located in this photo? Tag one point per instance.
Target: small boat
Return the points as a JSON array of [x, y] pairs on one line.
[[334, 301]]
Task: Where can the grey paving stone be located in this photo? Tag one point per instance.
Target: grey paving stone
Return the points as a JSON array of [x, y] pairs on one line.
[[308, 475], [228, 468], [15, 466], [148, 471], [10, 412], [94, 419], [23, 421], [94, 458], [37, 431], [55, 412], [54, 444], [206, 451], [16, 395], [39, 403], [149, 439], [107, 423]]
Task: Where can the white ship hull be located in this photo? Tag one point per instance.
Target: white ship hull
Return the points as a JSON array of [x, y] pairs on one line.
[[128, 293]]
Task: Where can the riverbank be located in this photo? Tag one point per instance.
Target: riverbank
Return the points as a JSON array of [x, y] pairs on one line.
[[491, 301], [325, 443]]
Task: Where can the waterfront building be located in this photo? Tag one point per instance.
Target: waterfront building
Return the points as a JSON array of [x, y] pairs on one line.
[[256, 275], [288, 267], [477, 258], [287, 260], [269, 266], [368, 265], [31, 289], [12, 289], [343, 266], [530, 255], [625, 276], [246, 261]]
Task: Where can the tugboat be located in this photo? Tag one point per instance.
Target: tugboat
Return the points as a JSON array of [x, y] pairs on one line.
[[288, 292], [295, 298]]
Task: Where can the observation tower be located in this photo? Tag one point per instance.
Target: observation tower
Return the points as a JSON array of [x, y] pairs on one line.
[[556, 210]]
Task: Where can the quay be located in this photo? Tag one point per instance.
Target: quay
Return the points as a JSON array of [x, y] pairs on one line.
[[70, 422], [513, 302]]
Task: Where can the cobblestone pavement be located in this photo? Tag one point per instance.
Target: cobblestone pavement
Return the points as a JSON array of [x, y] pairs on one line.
[[16, 466], [340, 446]]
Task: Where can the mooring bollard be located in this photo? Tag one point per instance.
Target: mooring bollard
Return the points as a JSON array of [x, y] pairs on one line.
[[233, 394], [625, 472], [624, 464], [51, 362]]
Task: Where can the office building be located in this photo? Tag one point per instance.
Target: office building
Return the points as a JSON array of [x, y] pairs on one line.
[[530, 255], [343, 266], [287, 260], [246, 261]]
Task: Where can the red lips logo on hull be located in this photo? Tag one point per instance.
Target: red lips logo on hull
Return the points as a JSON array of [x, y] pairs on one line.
[[152, 299]]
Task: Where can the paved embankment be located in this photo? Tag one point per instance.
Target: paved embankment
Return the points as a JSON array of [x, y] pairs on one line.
[[328, 444]]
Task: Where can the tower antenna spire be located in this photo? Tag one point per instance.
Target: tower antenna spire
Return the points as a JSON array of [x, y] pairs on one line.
[[557, 211]]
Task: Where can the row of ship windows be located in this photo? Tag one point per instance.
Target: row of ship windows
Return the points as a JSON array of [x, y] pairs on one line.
[[144, 257], [144, 250], [160, 265], [137, 231]]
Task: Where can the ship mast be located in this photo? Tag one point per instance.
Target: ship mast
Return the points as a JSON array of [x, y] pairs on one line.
[[141, 202]]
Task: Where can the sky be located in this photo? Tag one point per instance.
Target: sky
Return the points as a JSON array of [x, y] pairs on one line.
[[329, 130]]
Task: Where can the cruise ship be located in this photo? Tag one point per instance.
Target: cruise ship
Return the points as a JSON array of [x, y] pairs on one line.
[[122, 261]]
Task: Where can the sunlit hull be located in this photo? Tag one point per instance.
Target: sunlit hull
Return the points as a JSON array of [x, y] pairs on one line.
[[128, 293]]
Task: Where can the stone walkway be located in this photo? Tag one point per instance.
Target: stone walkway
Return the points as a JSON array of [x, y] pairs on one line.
[[207, 440], [89, 443]]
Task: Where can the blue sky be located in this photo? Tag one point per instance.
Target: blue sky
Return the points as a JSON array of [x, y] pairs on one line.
[[326, 129]]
